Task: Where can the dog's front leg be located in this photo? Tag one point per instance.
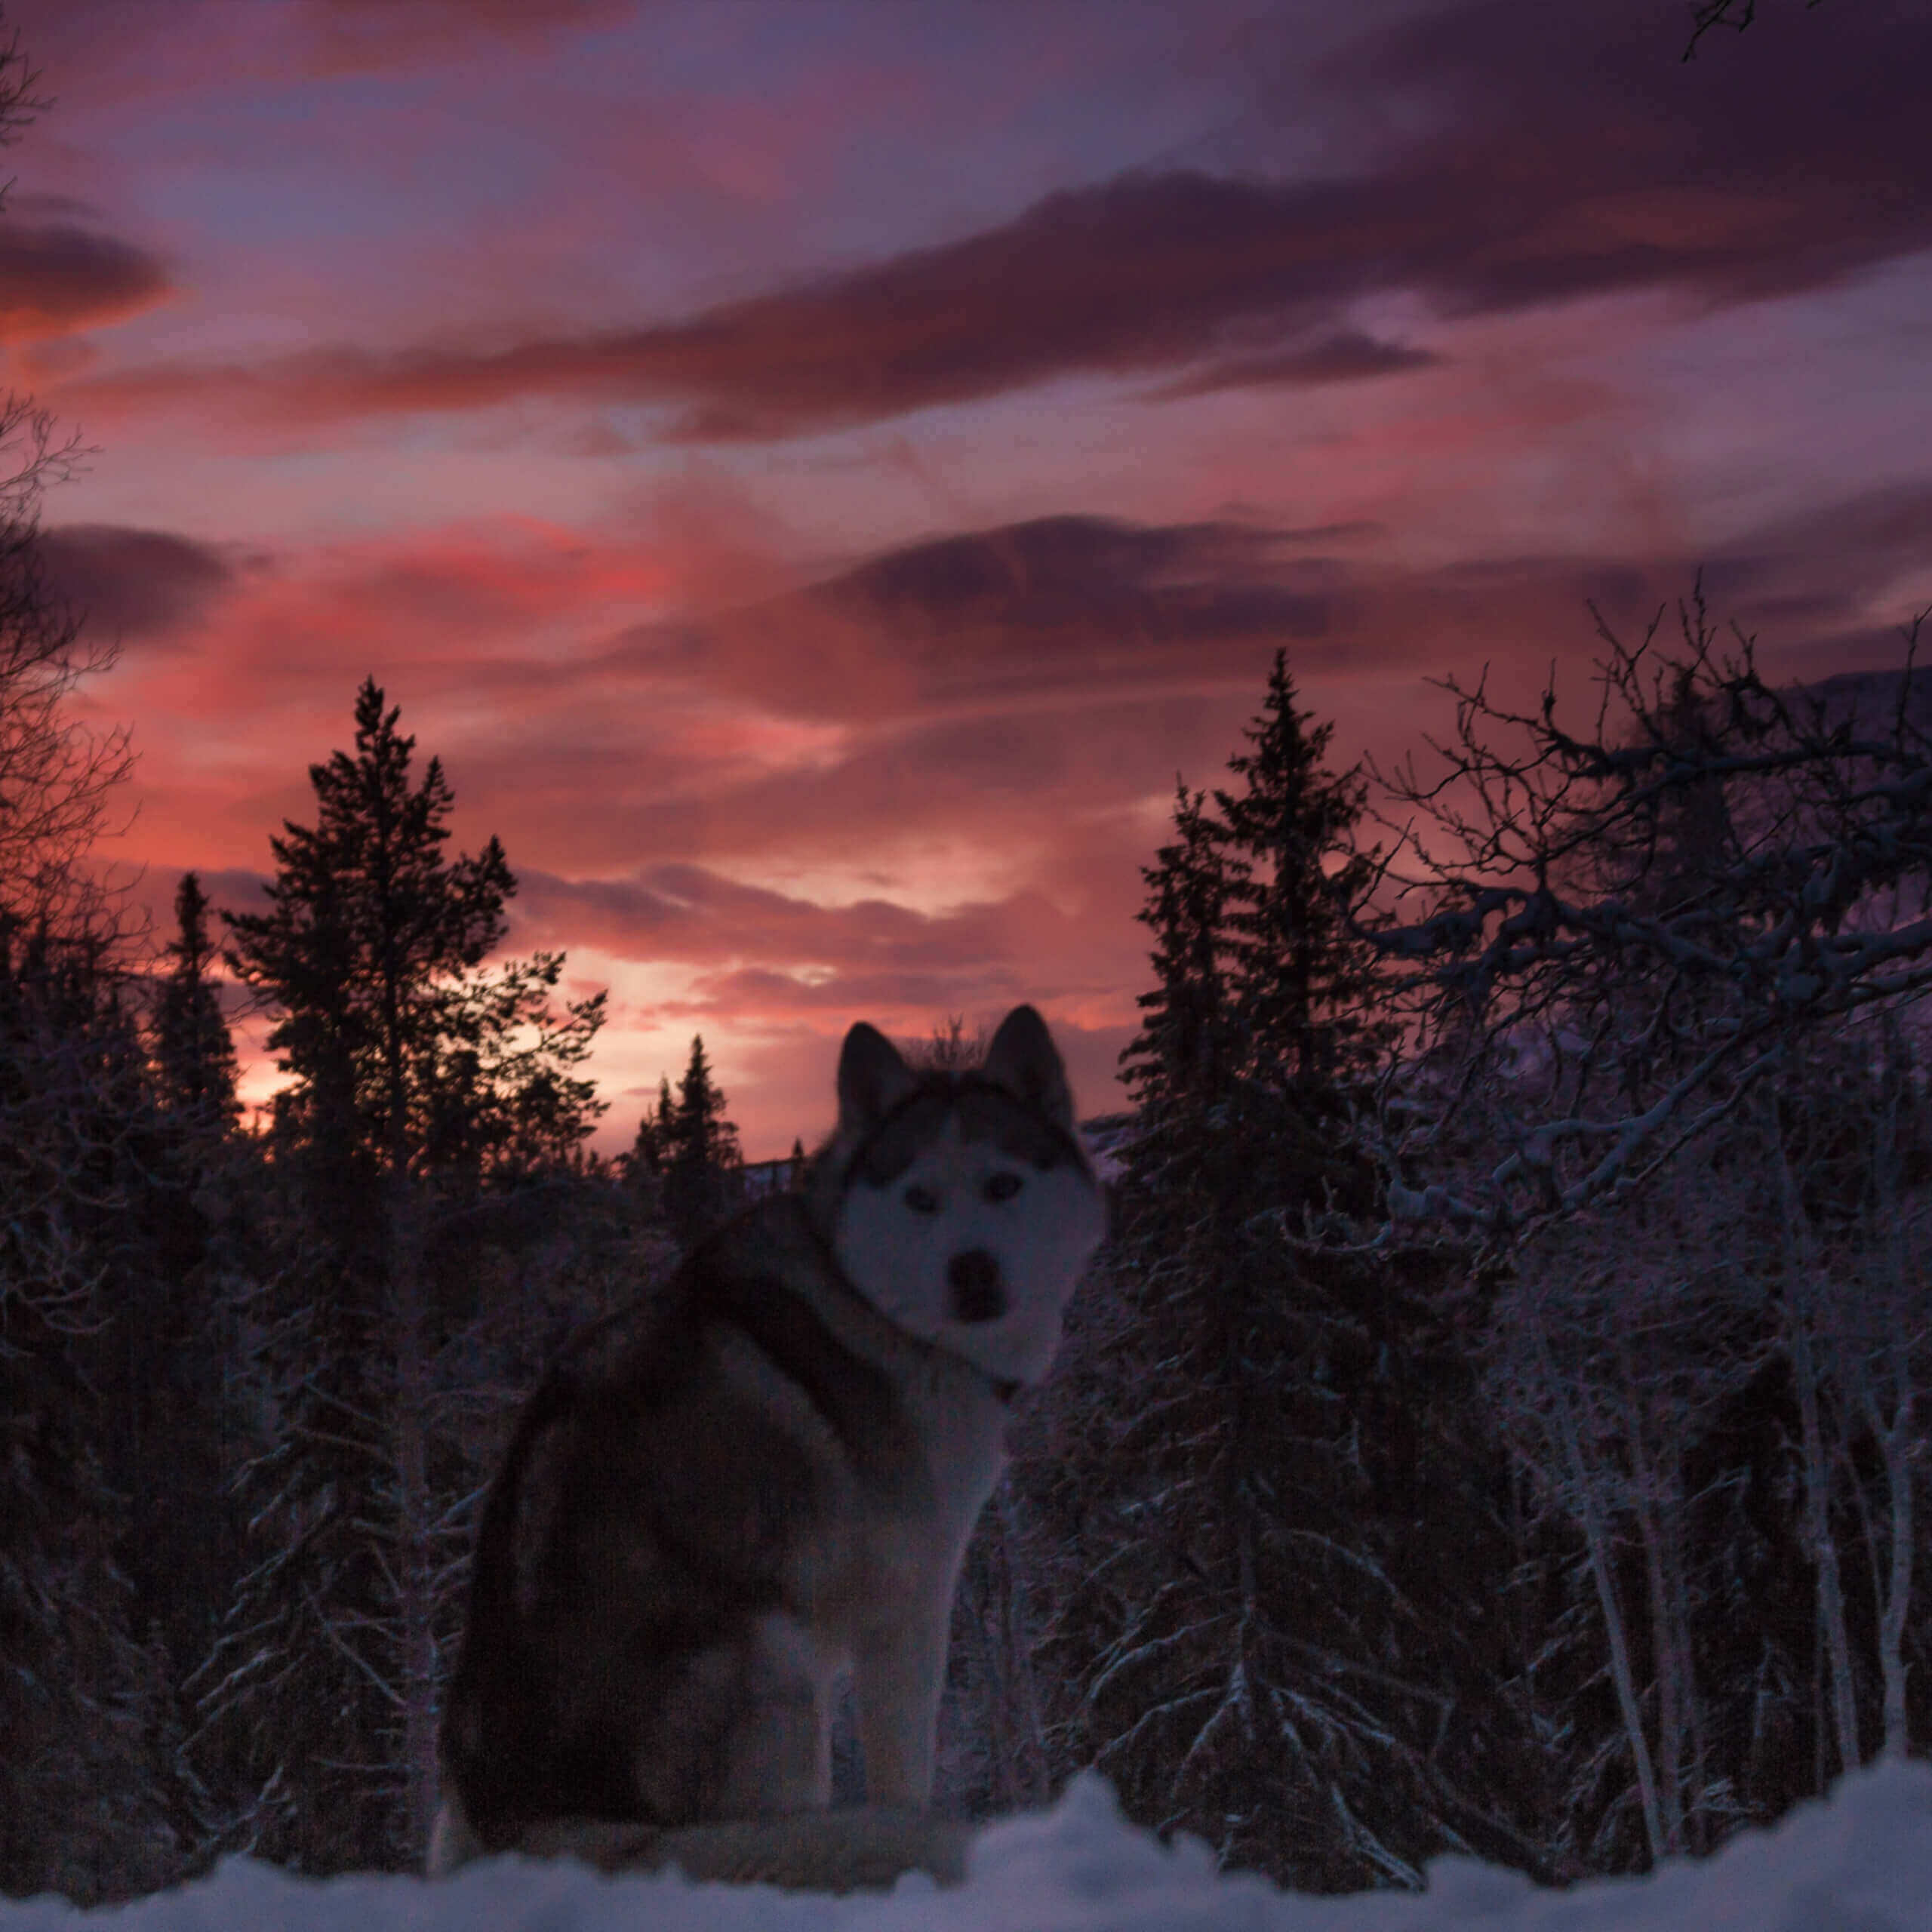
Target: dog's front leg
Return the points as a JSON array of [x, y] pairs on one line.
[[898, 1674]]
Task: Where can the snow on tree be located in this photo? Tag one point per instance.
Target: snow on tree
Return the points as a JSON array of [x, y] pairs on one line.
[[420, 1074], [1598, 945], [1264, 1508]]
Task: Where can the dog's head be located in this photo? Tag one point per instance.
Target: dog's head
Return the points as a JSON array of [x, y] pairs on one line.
[[962, 1205]]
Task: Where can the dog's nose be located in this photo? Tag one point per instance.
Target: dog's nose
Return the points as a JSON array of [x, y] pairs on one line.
[[978, 1293]]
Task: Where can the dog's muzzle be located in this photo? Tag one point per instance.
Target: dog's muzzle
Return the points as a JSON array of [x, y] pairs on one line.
[[973, 1281]]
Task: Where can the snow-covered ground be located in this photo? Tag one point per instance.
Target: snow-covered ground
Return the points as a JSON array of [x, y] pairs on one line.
[[1862, 1862]]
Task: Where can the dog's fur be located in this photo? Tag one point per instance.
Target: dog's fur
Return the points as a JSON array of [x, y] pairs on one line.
[[727, 1494]]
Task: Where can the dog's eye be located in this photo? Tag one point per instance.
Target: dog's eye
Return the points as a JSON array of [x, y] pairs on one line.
[[922, 1200], [1001, 1187]]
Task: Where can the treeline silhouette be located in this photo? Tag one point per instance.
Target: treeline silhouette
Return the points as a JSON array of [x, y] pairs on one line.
[[1498, 1423], [1356, 1524], [255, 1375]]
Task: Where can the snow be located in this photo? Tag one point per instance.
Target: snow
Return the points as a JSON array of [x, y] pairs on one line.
[[1861, 1862]]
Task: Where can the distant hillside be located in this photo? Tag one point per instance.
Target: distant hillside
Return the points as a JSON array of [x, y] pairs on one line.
[[1869, 696]]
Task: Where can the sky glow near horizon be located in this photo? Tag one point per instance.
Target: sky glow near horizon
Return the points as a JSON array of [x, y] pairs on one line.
[[815, 473]]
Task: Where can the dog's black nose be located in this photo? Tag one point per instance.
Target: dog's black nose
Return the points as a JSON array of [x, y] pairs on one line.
[[978, 1293]]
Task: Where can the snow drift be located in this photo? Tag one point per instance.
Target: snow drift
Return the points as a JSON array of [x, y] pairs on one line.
[[1861, 1862]]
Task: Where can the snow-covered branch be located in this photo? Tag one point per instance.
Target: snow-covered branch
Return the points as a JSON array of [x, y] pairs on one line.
[[1596, 942]]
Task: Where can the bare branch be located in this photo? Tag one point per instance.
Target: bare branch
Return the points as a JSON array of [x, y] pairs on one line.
[[1597, 943], [1735, 14]]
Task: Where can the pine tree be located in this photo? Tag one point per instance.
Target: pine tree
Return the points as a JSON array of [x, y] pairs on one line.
[[83, 1768], [194, 1068], [417, 1075], [644, 1164], [702, 1157], [1181, 1065], [645, 1157], [1253, 1433], [371, 950], [1301, 982]]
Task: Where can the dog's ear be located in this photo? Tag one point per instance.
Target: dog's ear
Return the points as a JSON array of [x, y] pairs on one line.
[[873, 1079], [1023, 1060]]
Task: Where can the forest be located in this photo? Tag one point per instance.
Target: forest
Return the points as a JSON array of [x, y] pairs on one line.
[[1498, 1422]]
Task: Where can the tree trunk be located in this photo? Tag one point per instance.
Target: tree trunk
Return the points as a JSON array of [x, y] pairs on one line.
[[415, 1554], [1666, 1664], [1798, 1310], [1897, 1430], [1597, 1543], [1900, 1447]]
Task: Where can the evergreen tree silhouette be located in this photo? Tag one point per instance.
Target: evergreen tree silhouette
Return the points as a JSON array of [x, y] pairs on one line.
[[1302, 982], [194, 1064], [1182, 1060], [418, 1076], [84, 1767], [702, 1157], [1263, 1430], [651, 1149], [369, 924]]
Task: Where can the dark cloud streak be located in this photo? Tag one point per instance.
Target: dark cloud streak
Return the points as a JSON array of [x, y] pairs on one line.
[[1021, 616], [131, 583], [1561, 154], [55, 278], [687, 912]]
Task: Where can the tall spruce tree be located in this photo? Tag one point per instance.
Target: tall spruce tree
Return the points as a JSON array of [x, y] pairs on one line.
[[1181, 1066], [416, 1074], [195, 1067], [643, 1163], [1303, 983], [701, 1157], [371, 953], [1246, 1625]]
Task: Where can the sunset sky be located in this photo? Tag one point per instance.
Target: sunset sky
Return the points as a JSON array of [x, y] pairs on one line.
[[815, 472]]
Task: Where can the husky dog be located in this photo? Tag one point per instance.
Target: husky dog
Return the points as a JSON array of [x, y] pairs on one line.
[[729, 1492]]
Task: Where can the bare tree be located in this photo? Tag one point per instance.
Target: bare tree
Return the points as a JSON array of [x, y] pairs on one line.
[[58, 783], [1607, 1361], [1597, 944], [57, 777], [1886, 1365], [1854, 1323], [1715, 1389]]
